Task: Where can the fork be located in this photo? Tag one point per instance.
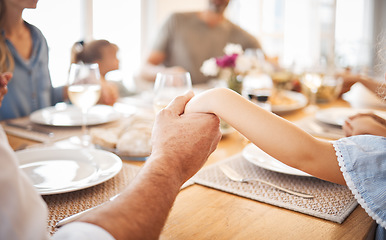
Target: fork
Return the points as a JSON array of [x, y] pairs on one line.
[[79, 214], [234, 176], [30, 127]]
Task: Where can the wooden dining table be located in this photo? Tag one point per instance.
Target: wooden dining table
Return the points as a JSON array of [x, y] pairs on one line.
[[200, 212]]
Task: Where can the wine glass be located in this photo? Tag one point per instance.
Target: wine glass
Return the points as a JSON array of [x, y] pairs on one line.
[[169, 85], [84, 90], [312, 81]]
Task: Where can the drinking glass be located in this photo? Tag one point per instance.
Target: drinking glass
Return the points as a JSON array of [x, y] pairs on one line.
[[169, 85], [84, 90], [312, 81], [258, 89]]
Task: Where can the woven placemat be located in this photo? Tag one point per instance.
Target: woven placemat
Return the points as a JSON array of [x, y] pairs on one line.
[[64, 205], [332, 202]]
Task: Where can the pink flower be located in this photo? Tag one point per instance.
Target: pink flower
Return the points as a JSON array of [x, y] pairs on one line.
[[227, 61]]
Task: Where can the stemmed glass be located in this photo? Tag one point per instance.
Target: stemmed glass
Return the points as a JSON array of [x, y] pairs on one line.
[[312, 81], [169, 85], [84, 90]]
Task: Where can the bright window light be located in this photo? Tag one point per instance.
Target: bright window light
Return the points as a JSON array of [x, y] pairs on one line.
[[117, 21]]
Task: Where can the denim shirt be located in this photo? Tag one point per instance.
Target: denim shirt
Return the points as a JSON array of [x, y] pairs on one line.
[[30, 88], [363, 163]]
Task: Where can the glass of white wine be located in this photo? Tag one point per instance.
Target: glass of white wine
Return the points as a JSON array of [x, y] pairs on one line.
[[169, 85], [312, 81], [84, 90]]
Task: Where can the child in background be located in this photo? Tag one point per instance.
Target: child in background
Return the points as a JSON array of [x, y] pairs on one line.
[[104, 54]]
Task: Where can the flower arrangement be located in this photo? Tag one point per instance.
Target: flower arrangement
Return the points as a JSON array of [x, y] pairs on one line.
[[232, 66]]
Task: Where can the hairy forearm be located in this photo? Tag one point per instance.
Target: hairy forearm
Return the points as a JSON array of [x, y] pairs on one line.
[[275, 135], [142, 209]]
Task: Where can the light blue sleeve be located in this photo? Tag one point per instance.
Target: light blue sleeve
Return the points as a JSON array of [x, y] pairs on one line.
[[82, 230], [363, 163]]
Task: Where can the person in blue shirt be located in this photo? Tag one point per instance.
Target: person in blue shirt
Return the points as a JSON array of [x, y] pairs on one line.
[[24, 52]]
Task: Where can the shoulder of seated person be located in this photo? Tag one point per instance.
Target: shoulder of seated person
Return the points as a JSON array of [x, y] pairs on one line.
[[182, 15]]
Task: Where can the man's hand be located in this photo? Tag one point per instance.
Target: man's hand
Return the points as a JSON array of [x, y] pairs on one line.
[[184, 140], [4, 79]]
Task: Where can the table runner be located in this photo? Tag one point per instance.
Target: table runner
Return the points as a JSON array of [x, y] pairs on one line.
[[332, 202]]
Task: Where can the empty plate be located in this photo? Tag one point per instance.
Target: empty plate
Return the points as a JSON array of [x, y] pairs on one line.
[[54, 170]]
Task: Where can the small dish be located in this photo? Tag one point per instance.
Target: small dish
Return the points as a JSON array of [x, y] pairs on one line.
[[296, 101]]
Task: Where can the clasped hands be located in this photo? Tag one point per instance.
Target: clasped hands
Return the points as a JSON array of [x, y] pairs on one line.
[[187, 139]]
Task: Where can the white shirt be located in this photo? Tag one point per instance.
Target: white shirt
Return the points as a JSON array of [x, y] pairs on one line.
[[23, 212]]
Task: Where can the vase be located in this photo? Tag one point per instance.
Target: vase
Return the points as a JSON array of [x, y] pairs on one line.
[[235, 82]]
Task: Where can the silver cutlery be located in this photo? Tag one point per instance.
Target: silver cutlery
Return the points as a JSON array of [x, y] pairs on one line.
[[234, 176], [30, 127], [79, 214]]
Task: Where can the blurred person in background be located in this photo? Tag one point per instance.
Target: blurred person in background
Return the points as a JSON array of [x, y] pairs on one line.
[[349, 79], [24, 52], [187, 39], [104, 53]]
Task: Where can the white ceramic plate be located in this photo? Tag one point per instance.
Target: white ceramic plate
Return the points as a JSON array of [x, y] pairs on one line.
[[54, 170], [68, 115], [300, 101], [258, 157], [337, 116]]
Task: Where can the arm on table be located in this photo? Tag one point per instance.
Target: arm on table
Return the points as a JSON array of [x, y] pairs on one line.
[[181, 145], [154, 65], [275, 135], [350, 79], [365, 123]]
